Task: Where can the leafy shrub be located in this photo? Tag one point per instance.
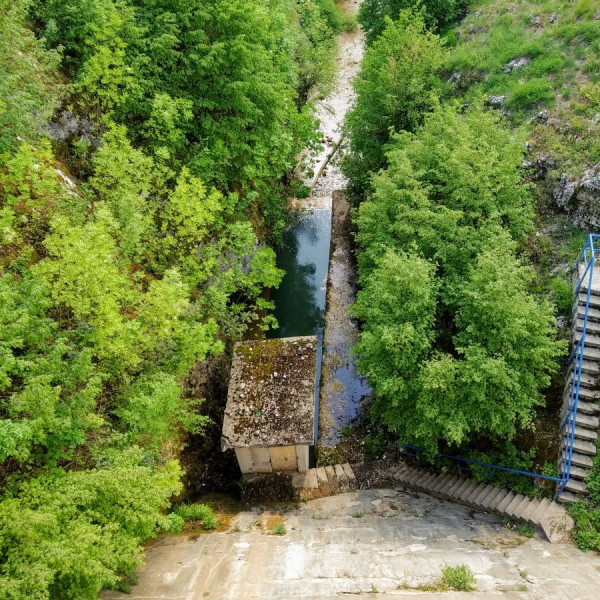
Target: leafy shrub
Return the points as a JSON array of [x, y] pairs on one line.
[[458, 578], [563, 295], [587, 525], [69, 534], [197, 512]]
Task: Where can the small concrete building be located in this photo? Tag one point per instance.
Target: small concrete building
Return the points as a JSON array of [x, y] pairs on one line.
[[270, 414]]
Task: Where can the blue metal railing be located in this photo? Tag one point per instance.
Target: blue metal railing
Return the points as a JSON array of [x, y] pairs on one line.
[[416, 451], [584, 262]]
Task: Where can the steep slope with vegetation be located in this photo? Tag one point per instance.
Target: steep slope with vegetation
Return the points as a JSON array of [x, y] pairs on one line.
[[481, 150], [133, 246]]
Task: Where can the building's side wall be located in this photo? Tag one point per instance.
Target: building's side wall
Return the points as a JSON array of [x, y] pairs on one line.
[[275, 458], [302, 454], [254, 460], [283, 458]]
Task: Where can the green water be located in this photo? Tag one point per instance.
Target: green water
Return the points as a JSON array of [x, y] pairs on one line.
[[300, 299]]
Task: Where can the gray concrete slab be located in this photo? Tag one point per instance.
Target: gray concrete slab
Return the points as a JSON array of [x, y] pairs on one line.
[[372, 542]]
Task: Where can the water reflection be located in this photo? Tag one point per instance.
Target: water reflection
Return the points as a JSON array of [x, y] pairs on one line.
[[300, 299]]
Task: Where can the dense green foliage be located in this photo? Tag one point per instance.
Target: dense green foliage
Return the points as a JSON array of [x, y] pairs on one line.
[[185, 119], [397, 84], [461, 346], [372, 13], [454, 342]]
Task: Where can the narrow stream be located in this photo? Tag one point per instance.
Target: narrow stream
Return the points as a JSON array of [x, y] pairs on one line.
[[320, 281], [300, 299]]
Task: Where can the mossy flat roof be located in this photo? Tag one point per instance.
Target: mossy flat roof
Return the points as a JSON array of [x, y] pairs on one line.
[[271, 397]]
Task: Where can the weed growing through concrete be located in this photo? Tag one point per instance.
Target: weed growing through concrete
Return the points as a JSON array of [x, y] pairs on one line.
[[458, 578], [526, 531], [197, 512], [278, 529], [358, 515]]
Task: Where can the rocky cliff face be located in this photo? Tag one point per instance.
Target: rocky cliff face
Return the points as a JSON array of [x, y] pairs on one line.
[[580, 198]]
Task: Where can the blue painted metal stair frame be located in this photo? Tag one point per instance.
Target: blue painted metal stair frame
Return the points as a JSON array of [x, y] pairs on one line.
[[587, 257]]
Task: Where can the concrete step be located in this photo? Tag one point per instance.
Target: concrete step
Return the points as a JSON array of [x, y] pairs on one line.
[[453, 488], [351, 477], [580, 460], [529, 511], [595, 289], [582, 433], [502, 506], [311, 480], [340, 476], [440, 487], [568, 498], [582, 298], [592, 340], [575, 486], [330, 472], [591, 367], [593, 312], [581, 447], [511, 508], [587, 408], [586, 380], [582, 419], [591, 354], [484, 491], [493, 498], [593, 327], [585, 393], [522, 510], [556, 524], [537, 514], [321, 476], [579, 472]]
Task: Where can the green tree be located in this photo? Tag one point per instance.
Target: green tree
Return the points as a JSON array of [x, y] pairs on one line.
[[372, 13], [396, 86], [70, 534], [397, 306], [446, 184], [507, 339], [452, 194]]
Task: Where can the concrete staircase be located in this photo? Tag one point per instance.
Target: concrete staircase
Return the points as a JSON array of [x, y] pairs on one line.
[[550, 517], [588, 409], [325, 481]]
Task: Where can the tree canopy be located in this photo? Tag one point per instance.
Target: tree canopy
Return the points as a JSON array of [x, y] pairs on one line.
[[397, 84], [133, 245], [454, 341]]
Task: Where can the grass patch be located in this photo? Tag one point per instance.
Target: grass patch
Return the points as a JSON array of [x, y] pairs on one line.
[[526, 531], [459, 578], [279, 529], [358, 515], [530, 93], [199, 513]]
